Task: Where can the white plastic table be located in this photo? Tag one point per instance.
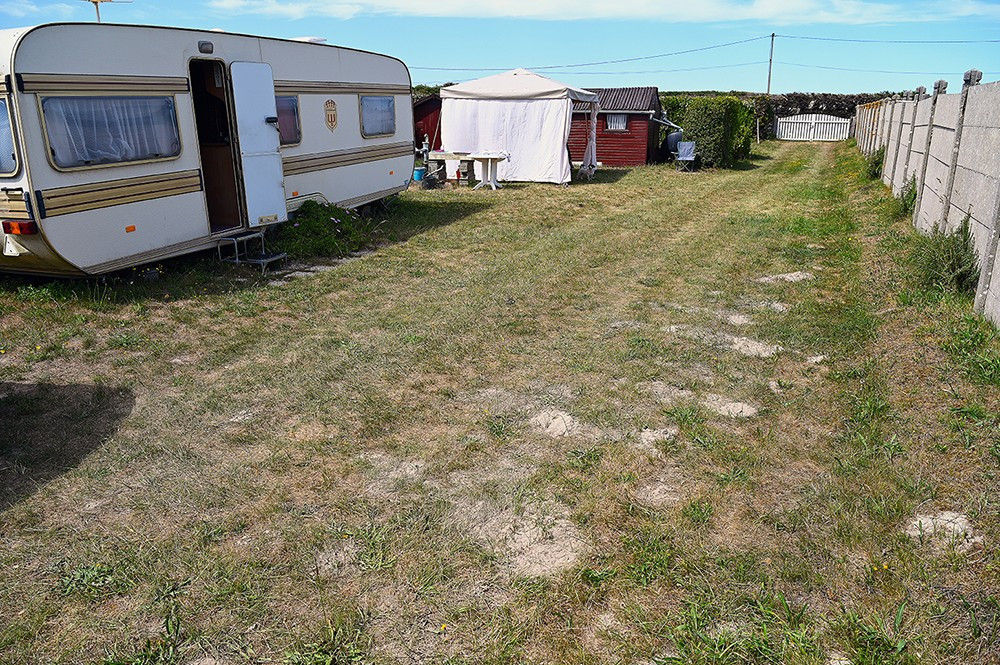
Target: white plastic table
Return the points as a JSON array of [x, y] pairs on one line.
[[491, 166]]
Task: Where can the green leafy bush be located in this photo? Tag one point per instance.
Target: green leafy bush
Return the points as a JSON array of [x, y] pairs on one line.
[[768, 107], [873, 163], [318, 229], [947, 261], [722, 127]]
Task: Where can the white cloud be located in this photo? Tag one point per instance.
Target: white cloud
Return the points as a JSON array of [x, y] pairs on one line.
[[35, 12], [777, 12]]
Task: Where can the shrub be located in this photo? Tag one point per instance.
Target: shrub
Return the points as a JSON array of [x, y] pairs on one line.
[[318, 229], [947, 261], [873, 164], [722, 127], [768, 107]]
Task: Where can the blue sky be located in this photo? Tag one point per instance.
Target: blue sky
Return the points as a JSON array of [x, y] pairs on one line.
[[505, 34]]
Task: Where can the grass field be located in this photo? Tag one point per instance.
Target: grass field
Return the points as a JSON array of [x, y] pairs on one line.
[[655, 418]]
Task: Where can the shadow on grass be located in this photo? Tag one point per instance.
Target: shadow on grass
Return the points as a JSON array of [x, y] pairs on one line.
[[604, 176], [49, 429], [202, 274]]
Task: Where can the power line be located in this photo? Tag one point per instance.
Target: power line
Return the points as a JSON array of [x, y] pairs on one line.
[[743, 64], [893, 41], [872, 71], [600, 62], [683, 69]]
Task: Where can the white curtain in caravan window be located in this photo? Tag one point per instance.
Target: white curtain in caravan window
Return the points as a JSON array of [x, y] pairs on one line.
[[378, 116], [8, 160], [84, 131]]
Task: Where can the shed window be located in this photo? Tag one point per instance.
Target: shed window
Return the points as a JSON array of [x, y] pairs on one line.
[[617, 122], [8, 156], [289, 125], [378, 116], [88, 131]]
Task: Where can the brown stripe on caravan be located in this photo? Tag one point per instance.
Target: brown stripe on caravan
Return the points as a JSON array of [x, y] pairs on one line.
[[66, 200], [53, 83], [328, 160], [3, 86], [338, 88], [13, 205]]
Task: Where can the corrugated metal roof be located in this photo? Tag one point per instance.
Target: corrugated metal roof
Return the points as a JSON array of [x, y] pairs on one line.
[[626, 100]]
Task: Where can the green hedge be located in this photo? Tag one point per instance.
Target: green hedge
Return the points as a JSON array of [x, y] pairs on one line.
[[722, 127]]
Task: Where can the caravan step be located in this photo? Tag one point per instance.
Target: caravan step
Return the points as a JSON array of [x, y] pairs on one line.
[[241, 253], [262, 260]]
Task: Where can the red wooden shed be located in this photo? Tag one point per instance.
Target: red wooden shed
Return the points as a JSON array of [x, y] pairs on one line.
[[627, 135], [427, 120]]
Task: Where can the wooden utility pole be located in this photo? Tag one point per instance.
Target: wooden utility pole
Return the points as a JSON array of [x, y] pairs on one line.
[[770, 64]]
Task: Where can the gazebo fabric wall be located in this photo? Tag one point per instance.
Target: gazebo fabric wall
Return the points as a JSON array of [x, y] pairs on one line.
[[521, 113]]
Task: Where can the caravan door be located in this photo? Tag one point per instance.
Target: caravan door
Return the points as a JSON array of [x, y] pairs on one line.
[[259, 140]]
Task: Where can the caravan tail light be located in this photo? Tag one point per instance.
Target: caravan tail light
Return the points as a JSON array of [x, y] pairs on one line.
[[14, 228]]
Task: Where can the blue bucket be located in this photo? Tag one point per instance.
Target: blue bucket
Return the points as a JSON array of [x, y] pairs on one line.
[[418, 173]]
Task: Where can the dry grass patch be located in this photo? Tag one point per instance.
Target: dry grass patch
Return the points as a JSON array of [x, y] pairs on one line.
[[535, 425]]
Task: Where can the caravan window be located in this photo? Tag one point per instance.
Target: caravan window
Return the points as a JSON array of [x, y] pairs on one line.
[[90, 131], [288, 120], [378, 116], [8, 155]]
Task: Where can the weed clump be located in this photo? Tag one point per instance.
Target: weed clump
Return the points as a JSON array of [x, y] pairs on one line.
[[343, 643], [908, 197], [946, 262], [319, 229], [873, 164], [972, 341]]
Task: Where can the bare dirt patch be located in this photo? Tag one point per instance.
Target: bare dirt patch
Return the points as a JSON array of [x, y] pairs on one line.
[[728, 407], [720, 404], [661, 490], [943, 530], [338, 558], [742, 345], [537, 540], [649, 438], [556, 423], [798, 276]]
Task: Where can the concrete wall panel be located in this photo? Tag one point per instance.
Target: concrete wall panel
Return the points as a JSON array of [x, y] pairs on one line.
[[919, 140], [931, 212], [891, 144]]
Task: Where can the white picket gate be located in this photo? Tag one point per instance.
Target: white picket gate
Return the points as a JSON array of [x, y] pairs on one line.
[[813, 127]]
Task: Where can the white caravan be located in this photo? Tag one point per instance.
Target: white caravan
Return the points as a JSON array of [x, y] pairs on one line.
[[122, 144]]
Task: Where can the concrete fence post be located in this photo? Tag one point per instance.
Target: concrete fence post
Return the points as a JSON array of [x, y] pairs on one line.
[[989, 260], [883, 134], [972, 77], [866, 133], [876, 121], [886, 158], [862, 130], [918, 94], [939, 89], [873, 126], [870, 127]]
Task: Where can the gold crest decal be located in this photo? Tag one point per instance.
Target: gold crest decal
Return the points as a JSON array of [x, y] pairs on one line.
[[331, 114]]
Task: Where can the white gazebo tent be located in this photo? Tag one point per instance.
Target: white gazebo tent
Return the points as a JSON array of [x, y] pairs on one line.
[[523, 114]]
